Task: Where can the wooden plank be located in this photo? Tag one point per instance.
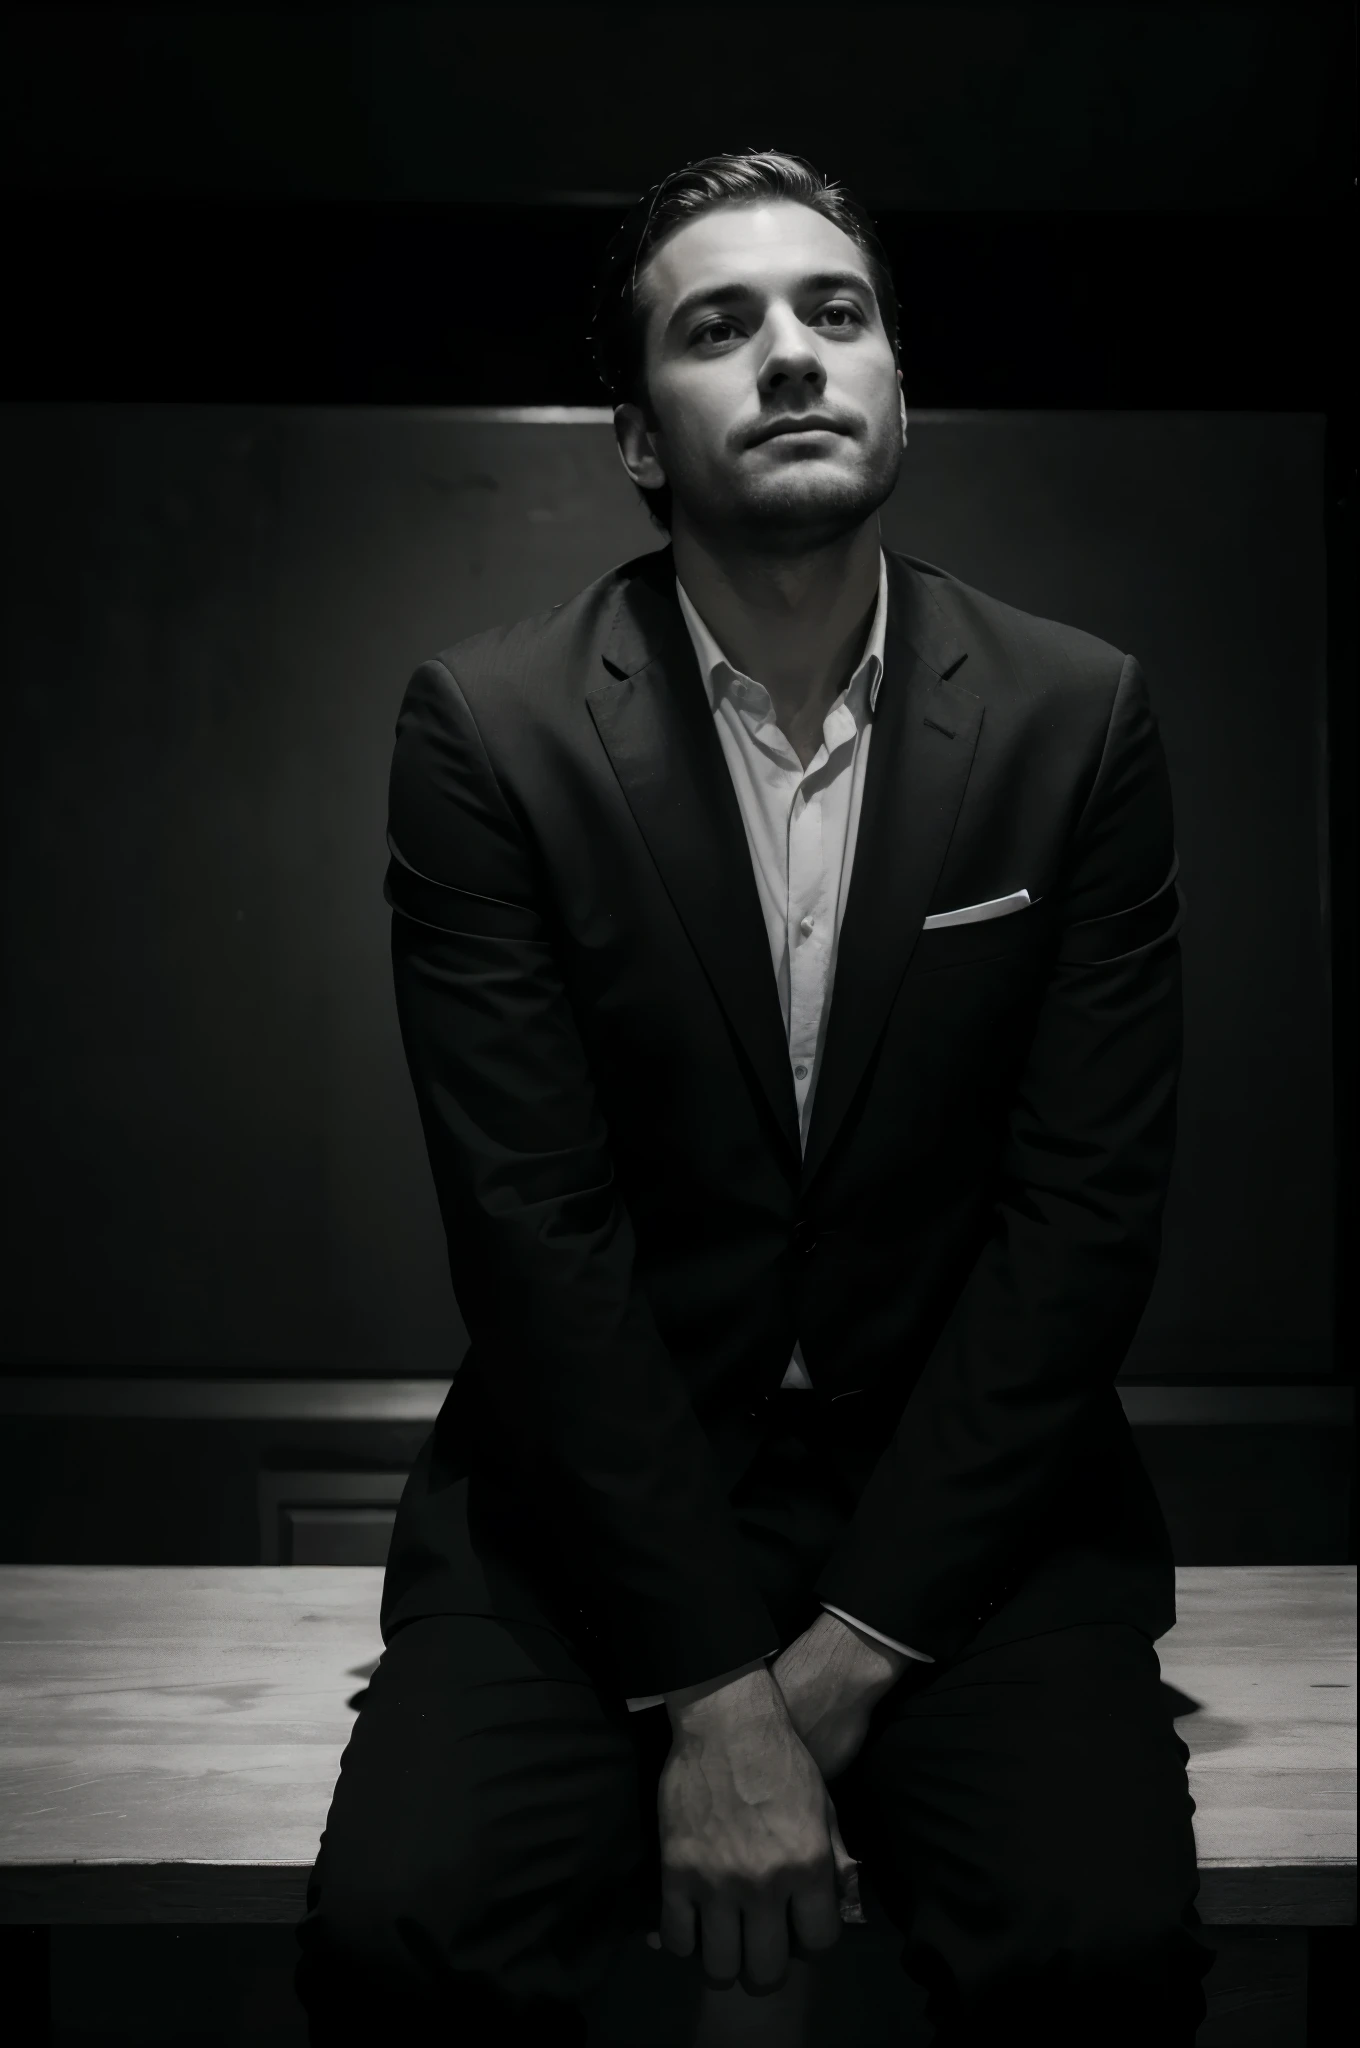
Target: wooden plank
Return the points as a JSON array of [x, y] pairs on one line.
[[1268, 1653], [168, 1894], [166, 1714], [1277, 1895], [130, 1397], [172, 1735]]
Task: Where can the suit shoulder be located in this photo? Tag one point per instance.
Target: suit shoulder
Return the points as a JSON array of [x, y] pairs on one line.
[[1041, 653], [545, 646]]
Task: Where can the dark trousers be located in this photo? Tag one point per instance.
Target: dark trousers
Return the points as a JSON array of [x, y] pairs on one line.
[[1022, 1813]]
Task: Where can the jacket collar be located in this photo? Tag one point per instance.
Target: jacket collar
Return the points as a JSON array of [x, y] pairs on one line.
[[716, 669], [646, 612]]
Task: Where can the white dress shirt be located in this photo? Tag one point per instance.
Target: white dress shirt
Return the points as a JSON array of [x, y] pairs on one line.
[[801, 827]]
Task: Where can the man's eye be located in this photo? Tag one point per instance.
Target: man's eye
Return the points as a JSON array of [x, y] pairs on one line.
[[847, 316]]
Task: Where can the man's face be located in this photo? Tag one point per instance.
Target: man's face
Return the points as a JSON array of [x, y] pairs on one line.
[[759, 315]]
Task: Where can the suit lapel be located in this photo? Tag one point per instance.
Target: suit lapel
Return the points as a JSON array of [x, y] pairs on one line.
[[924, 738], [653, 717]]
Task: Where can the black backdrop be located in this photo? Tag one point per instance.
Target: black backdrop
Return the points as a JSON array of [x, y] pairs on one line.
[[212, 615], [1127, 209], [1124, 210]]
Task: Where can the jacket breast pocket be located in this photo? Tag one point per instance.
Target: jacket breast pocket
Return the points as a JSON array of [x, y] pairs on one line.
[[1018, 933]]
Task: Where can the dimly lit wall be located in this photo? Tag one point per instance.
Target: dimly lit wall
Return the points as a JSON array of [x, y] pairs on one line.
[[1105, 211], [217, 1141]]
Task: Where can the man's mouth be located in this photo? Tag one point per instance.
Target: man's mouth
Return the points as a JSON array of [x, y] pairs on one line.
[[814, 423]]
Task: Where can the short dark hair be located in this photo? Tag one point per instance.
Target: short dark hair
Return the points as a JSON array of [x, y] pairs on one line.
[[618, 324]]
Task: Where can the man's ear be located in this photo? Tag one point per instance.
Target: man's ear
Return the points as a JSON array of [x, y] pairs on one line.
[[636, 450], [902, 402]]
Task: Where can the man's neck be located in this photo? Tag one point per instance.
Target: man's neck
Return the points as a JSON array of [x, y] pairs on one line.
[[796, 624]]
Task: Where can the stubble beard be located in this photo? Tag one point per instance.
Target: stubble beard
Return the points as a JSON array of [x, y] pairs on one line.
[[785, 515]]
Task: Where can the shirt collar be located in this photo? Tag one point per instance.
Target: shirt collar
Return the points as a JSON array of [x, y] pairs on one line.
[[716, 669]]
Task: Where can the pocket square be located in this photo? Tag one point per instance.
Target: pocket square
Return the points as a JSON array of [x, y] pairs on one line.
[[976, 913]]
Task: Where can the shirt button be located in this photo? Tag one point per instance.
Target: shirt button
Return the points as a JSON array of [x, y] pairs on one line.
[[800, 1073]]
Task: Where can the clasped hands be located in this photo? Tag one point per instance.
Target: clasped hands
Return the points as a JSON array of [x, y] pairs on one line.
[[831, 1678], [753, 1866]]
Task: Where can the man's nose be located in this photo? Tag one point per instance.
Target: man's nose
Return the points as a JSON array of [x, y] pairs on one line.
[[792, 355]]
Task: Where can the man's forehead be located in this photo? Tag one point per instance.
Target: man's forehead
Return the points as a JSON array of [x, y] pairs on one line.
[[770, 242]]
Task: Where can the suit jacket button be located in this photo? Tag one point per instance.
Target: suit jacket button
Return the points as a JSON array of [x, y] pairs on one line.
[[804, 1238]]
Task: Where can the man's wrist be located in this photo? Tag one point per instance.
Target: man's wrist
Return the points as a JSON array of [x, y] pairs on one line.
[[750, 1687], [864, 1665]]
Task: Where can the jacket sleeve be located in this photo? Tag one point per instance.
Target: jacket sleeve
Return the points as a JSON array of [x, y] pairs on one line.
[[1021, 1376], [540, 1246]]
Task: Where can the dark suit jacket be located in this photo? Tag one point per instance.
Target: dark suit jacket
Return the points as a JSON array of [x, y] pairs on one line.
[[592, 1027]]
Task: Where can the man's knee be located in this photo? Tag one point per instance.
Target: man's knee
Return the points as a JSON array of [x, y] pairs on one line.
[[372, 1967], [1152, 1953], [450, 1944], [369, 1934], [392, 1918], [1078, 1972]]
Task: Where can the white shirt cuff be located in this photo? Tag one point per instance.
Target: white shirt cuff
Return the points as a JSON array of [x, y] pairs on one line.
[[657, 1699], [878, 1634]]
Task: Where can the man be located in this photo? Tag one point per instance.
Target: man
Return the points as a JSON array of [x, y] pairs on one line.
[[786, 957]]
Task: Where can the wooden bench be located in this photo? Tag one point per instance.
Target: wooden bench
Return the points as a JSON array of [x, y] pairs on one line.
[[171, 1737]]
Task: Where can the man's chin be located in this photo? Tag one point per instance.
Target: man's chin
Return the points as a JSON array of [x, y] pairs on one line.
[[817, 520], [800, 510]]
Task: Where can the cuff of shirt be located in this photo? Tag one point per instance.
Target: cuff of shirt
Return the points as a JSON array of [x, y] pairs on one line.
[[877, 1634], [656, 1699]]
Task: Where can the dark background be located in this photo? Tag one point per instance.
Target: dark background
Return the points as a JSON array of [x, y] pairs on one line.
[[218, 1145], [1114, 210], [1107, 206], [218, 216]]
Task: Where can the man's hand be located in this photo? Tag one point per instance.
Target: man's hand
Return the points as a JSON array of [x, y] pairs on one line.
[[832, 1677], [752, 1861]]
